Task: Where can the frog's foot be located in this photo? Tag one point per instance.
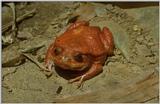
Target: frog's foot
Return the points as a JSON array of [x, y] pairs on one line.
[[94, 70], [49, 65], [80, 80]]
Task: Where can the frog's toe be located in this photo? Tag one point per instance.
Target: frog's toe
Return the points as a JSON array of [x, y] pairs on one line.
[[80, 80], [74, 79], [49, 65]]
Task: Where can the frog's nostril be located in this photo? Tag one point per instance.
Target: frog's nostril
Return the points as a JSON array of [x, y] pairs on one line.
[[57, 50]]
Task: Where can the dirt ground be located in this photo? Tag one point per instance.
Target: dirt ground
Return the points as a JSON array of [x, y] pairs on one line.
[[136, 55]]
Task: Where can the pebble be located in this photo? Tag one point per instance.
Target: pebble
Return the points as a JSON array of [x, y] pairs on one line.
[[100, 12], [135, 28], [140, 39], [157, 69], [139, 33], [41, 58], [109, 7], [24, 34], [152, 60], [143, 50], [8, 39], [148, 37], [136, 69], [151, 43]]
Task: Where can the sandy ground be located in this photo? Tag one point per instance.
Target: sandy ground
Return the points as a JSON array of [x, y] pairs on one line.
[[135, 32]]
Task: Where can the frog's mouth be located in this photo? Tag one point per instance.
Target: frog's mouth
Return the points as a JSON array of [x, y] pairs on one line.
[[70, 64], [78, 67]]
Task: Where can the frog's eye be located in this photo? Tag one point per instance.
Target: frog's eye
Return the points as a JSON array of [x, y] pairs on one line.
[[57, 50], [78, 58]]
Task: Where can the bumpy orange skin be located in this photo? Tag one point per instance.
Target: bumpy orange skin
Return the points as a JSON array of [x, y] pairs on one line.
[[79, 48]]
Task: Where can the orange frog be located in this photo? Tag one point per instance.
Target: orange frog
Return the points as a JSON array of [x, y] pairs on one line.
[[81, 47]]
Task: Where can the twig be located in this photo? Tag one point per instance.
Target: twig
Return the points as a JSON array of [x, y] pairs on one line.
[[5, 85], [31, 58], [33, 48], [14, 27], [147, 100], [42, 68], [19, 19]]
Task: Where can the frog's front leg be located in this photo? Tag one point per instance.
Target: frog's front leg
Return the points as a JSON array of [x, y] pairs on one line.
[[95, 69], [49, 58]]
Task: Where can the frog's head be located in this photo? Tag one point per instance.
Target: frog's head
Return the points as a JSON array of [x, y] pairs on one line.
[[70, 59]]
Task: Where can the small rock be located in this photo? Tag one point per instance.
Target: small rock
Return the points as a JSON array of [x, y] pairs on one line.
[[152, 60], [151, 43], [7, 70], [100, 12], [6, 15], [86, 12], [64, 15], [148, 37], [59, 90], [157, 69], [25, 34], [139, 33], [32, 48], [135, 28], [8, 39], [136, 69], [41, 58], [109, 7], [140, 39], [11, 57], [54, 22], [133, 50], [117, 51], [143, 50], [123, 15]]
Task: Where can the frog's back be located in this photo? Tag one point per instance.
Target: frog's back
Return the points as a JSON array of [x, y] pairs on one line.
[[85, 39]]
